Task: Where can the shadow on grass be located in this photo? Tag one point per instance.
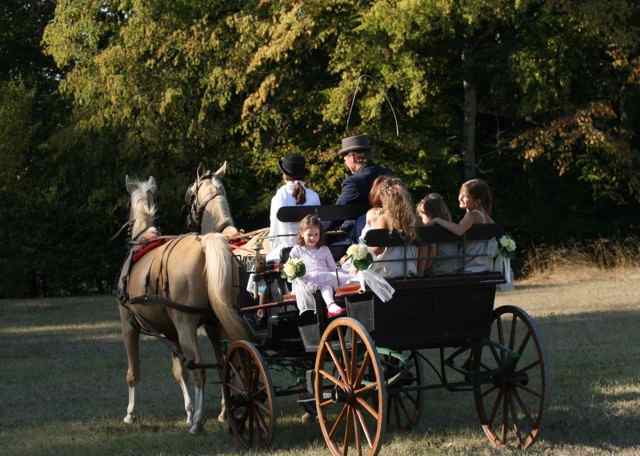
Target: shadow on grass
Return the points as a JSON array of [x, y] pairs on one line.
[[74, 381]]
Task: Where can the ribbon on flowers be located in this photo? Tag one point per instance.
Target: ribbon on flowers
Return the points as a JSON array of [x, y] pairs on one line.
[[376, 283], [304, 295]]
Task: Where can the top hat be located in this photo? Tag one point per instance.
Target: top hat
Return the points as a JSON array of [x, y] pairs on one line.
[[353, 143], [293, 165]]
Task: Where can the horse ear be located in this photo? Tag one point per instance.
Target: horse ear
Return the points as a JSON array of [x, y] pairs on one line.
[[130, 186], [152, 184], [200, 170], [222, 170]]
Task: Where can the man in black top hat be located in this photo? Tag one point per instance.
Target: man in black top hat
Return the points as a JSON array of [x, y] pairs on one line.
[[356, 152]]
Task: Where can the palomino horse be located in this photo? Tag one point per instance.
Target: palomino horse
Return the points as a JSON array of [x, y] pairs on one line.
[[172, 290]]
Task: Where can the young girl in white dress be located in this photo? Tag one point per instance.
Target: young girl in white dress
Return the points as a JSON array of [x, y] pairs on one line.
[[321, 271], [475, 198]]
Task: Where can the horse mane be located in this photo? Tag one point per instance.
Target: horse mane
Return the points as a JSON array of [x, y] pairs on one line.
[[143, 211]]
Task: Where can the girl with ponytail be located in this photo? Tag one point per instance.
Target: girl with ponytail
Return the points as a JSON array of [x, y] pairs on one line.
[[294, 192]]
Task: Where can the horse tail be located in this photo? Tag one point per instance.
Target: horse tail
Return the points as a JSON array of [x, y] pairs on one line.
[[220, 286]]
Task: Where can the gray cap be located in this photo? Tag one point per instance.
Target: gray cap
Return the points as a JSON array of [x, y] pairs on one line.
[[353, 143]]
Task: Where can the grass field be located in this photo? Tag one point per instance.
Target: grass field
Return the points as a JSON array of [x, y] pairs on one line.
[[62, 388]]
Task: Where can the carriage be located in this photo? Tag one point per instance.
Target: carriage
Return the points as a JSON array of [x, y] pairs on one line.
[[364, 372]]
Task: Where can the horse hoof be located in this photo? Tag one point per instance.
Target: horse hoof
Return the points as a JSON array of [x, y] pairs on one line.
[[222, 418], [129, 419], [196, 429]]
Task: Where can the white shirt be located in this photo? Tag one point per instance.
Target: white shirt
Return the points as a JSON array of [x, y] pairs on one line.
[[283, 234]]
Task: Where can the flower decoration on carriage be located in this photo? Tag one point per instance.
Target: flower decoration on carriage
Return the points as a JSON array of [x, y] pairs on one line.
[[507, 246], [293, 269], [361, 260], [360, 256]]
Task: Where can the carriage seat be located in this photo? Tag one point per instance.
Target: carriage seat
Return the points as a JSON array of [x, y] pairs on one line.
[[435, 234]]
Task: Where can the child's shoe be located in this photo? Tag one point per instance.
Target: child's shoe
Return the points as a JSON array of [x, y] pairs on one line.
[[334, 310]]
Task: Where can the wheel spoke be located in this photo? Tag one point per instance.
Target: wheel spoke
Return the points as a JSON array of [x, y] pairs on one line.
[[347, 378], [343, 375], [493, 388], [500, 332], [524, 342], [261, 422], [338, 419], [356, 432], [347, 433], [410, 419], [235, 388], [263, 407], [496, 355], [524, 408], [495, 407], [251, 427], [332, 379], [354, 355], [516, 429], [367, 407], [327, 402], [530, 366], [238, 375], [365, 363], [512, 336], [530, 391], [364, 389], [505, 416], [414, 400], [363, 424]]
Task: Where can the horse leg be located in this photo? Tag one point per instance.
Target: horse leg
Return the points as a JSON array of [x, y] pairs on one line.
[[217, 348], [189, 344], [178, 374], [131, 338]]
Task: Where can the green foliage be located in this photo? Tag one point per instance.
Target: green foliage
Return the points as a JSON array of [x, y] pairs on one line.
[[154, 87]]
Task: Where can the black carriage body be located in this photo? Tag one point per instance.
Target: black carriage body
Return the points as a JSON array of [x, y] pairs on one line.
[[447, 311]]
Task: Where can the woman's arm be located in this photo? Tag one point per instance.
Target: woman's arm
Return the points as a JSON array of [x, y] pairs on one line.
[[380, 223], [457, 228]]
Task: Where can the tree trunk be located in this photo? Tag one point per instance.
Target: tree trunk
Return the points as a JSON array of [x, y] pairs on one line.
[[469, 127]]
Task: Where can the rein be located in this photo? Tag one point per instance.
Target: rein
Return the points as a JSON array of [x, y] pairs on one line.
[[127, 224]]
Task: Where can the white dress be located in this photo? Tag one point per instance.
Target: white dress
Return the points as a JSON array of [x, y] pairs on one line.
[[479, 255], [283, 234], [396, 261], [321, 273]]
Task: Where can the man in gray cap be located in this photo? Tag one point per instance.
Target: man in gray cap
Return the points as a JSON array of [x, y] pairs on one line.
[[356, 152]]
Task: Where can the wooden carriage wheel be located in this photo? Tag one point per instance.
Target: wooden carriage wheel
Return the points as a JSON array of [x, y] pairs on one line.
[[349, 389], [248, 393], [402, 372], [511, 400]]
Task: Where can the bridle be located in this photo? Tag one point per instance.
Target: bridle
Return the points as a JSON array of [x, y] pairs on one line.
[[197, 208]]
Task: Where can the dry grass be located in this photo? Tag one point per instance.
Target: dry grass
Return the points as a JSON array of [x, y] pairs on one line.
[[600, 255], [63, 389]]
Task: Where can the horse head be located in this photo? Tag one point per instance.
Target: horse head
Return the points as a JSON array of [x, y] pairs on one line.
[[142, 206], [206, 200]]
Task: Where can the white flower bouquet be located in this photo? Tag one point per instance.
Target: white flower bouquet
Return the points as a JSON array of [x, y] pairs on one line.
[[507, 246], [294, 268], [359, 256]]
